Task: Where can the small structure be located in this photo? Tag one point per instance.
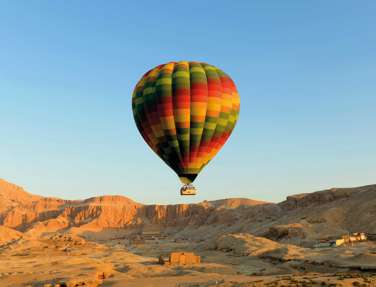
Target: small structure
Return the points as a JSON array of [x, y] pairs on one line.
[[345, 239], [181, 258], [350, 238]]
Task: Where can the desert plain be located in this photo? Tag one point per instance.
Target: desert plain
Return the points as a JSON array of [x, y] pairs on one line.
[[114, 241]]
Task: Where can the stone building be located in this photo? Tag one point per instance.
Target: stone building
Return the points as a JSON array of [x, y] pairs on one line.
[[181, 258]]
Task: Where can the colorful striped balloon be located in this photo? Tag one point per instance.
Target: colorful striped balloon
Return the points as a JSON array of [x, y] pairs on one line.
[[186, 111]]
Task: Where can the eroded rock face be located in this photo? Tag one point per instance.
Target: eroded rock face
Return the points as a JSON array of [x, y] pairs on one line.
[[303, 217], [175, 214], [322, 197], [18, 208], [22, 211]]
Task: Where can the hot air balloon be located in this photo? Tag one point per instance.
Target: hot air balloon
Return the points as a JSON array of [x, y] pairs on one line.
[[185, 111]]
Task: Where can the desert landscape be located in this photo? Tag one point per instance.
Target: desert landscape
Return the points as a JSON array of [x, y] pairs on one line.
[[114, 241], [187, 143]]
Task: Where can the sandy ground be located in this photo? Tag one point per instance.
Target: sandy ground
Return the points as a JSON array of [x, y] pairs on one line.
[[70, 260]]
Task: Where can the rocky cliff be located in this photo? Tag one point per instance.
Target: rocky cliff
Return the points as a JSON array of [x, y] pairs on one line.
[[299, 219]]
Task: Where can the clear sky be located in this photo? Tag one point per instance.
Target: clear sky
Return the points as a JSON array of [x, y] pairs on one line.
[[305, 71]]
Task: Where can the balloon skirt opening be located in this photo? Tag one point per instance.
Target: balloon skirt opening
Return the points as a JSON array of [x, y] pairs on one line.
[[187, 178]]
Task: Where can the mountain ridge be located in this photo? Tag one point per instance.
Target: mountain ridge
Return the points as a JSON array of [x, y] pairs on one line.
[[302, 217]]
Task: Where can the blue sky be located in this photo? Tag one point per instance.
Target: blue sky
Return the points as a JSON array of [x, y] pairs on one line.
[[305, 71]]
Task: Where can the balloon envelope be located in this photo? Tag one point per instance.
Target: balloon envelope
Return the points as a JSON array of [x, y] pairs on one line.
[[185, 111]]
